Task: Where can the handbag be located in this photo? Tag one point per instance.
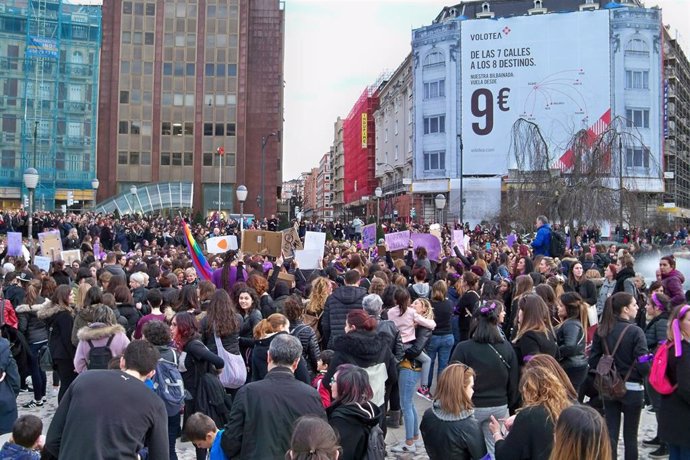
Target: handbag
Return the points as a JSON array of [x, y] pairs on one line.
[[592, 315], [234, 373], [45, 359]]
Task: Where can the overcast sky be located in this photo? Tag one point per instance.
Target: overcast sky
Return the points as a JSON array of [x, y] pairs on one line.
[[335, 48]]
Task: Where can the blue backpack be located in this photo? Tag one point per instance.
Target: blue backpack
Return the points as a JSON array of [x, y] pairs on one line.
[[168, 384]]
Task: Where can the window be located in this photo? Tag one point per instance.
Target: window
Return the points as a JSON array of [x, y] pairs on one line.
[[230, 129], [636, 79], [188, 159], [637, 157], [124, 67], [126, 37], [177, 159], [232, 70], [9, 124], [637, 47], [122, 158], [434, 125], [150, 9], [385, 135], [145, 158], [165, 158], [434, 89], [8, 159], [134, 158], [148, 38], [179, 69], [189, 71], [124, 127], [148, 68], [189, 100], [137, 38], [208, 158], [208, 129], [179, 39], [178, 99], [135, 127], [167, 68], [165, 129], [396, 127], [209, 70], [220, 69], [166, 99], [434, 59], [177, 129], [135, 96], [146, 128], [127, 7], [637, 118], [396, 153], [220, 128], [189, 129], [139, 9], [434, 160]]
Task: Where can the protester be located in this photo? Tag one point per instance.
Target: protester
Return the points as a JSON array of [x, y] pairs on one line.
[[222, 321], [264, 334], [295, 311], [571, 336], [36, 334], [671, 279], [313, 438], [9, 387], [338, 305], [578, 282], [542, 241], [100, 341], [26, 441], [201, 430], [534, 333], [442, 340], [581, 434]]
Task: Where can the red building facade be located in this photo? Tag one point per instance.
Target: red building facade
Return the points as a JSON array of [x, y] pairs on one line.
[[359, 150]]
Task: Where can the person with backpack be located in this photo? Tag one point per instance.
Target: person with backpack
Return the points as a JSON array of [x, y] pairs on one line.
[[619, 357], [100, 341], [541, 244], [674, 410], [125, 305], [354, 417], [294, 311], [167, 382]]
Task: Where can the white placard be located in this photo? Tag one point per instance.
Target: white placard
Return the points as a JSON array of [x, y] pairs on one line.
[[315, 240], [221, 244], [42, 262], [307, 259]]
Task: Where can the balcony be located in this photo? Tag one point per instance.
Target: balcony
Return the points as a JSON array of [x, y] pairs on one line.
[[76, 142], [395, 188], [76, 107]]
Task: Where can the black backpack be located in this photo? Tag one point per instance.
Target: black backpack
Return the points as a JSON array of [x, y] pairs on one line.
[[557, 245], [607, 380], [99, 357], [376, 443]]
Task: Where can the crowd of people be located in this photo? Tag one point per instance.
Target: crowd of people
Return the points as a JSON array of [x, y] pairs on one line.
[[533, 350]]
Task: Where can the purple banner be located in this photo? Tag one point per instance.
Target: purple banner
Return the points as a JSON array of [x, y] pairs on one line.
[[14, 244], [398, 240], [429, 242], [369, 236], [511, 239]]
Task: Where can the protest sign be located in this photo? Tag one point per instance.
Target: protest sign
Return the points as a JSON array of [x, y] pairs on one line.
[[308, 259], [457, 238], [511, 239], [70, 256], [291, 242], [42, 262], [315, 241], [221, 244], [51, 244], [14, 244], [398, 240], [262, 242], [368, 236], [429, 242]]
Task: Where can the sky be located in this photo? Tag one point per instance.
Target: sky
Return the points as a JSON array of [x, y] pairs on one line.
[[334, 49]]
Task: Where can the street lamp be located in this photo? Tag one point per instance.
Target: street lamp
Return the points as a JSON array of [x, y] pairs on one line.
[[264, 141], [31, 182], [94, 185], [241, 193], [221, 152], [378, 192], [440, 201], [134, 191]]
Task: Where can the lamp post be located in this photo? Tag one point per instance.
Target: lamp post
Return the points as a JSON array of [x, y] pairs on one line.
[[264, 141], [241, 193], [379, 193], [440, 201], [94, 185], [221, 152], [30, 182], [134, 191]]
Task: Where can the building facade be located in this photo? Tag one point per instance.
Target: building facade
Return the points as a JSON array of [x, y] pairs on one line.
[[183, 79], [324, 193], [310, 200], [394, 120], [338, 168], [49, 66]]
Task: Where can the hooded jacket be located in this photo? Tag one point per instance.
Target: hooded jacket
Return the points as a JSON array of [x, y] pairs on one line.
[[33, 328], [353, 422], [371, 351], [17, 452], [336, 308], [418, 290], [98, 334], [452, 436], [542, 241], [15, 294], [85, 316], [673, 286], [60, 319]]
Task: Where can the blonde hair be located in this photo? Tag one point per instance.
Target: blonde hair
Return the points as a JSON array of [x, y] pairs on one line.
[[539, 386], [451, 392], [79, 296], [427, 305], [320, 289], [274, 323]]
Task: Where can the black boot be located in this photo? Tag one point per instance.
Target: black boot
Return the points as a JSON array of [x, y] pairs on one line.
[[652, 442], [393, 419], [661, 452]]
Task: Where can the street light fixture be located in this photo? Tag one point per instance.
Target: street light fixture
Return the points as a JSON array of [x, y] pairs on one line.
[[134, 191], [94, 185], [379, 193], [31, 182], [241, 193], [440, 201]]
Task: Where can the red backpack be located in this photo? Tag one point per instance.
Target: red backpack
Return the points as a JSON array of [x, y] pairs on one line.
[[657, 376]]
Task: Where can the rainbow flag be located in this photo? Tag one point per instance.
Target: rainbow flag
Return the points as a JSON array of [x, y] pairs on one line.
[[198, 260]]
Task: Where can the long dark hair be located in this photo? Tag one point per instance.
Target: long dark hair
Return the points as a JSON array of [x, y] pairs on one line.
[[486, 323], [187, 328], [228, 258], [221, 315], [612, 310], [353, 384]]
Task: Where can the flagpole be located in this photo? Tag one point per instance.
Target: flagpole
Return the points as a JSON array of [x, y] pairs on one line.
[[221, 150]]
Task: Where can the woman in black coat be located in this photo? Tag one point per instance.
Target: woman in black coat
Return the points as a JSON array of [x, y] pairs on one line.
[[352, 414], [223, 321], [577, 282], [448, 428], [571, 336], [295, 310], [535, 334], [264, 333]]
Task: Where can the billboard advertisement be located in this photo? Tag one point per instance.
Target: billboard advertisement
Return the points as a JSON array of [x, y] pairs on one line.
[[553, 70]]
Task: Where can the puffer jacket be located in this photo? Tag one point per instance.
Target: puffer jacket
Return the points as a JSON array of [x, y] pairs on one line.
[[310, 346], [336, 308], [656, 331], [452, 436], [85, 316], [673, 286], [98, 334], [33, 328], [571, 338], [370, 351]]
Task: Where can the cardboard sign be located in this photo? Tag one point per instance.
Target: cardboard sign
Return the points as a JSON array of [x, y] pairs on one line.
[[315, 241], [369, 236], [262, 242], [283, 276], [42, 262], [70, 256], [51, 244], [291, 241], [308, 259], [429, 242], [221, 244], [398, 240], [14, 244]]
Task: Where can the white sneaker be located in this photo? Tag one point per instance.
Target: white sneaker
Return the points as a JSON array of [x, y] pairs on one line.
[[419, 442], [403, 447]]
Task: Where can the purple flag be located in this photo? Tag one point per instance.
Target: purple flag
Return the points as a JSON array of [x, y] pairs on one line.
[[429, 242]]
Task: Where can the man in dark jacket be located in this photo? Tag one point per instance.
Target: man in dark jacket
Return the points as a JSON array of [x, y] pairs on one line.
[[337, 306], [270, 407]]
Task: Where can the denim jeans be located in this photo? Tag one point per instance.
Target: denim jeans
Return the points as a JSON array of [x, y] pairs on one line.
[[407, 381], [440, 345], [483, 415], [173, 431], [38, 376], [630, 406], [677, 452]]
